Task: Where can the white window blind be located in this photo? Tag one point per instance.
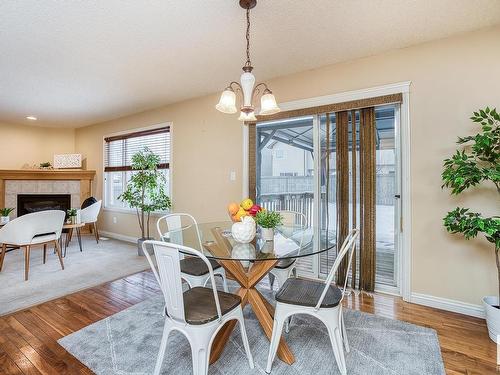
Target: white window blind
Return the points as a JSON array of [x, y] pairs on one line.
[[118, 150]]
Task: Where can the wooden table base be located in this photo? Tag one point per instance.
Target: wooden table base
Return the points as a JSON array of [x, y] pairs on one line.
[[261, 307]]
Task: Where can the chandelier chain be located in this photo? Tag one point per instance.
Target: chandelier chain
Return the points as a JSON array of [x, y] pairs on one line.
[[248, 63]]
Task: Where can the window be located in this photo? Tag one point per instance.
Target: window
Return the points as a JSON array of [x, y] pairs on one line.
[[118, 152]]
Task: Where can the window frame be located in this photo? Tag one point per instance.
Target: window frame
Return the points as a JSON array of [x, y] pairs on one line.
[[106, 186]]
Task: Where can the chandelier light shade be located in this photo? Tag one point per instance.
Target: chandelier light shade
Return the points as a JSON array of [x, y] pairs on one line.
[[227, 102], [246, 87]]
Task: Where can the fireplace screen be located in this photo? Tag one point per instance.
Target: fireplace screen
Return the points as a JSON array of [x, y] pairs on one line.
[[28, 203]]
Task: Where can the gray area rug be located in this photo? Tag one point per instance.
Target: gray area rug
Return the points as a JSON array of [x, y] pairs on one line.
[[98, 263], [127, 344]]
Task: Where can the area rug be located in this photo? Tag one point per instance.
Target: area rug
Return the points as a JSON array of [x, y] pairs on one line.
[[127, 344], [98, 263]]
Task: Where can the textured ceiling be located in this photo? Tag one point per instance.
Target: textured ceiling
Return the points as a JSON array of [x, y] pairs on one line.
[[74, 63]]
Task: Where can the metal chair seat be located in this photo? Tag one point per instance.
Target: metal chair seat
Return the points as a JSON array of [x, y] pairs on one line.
[[307, 293], [196, 267], [200, 307]]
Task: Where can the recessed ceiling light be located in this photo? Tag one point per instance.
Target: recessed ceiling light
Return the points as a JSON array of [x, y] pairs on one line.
[[32, 118]]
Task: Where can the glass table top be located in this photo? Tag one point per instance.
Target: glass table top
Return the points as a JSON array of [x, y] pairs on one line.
[[290, 242]]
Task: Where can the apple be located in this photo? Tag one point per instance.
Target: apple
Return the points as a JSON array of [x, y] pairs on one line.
[[254, 209]]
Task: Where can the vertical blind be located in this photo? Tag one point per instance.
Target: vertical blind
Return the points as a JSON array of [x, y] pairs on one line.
[[118, 150]]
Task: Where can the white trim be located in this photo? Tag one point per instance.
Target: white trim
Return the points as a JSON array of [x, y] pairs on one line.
[[405, 178], [387, 289], [393, 88], [448, 305], [316, 264], [245, 172], [118, 236]]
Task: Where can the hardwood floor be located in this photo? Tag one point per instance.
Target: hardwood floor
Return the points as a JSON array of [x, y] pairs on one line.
[[28, 339]]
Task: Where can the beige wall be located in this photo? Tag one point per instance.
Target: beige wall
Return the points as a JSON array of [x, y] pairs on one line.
[[450, 78], [21, 144]]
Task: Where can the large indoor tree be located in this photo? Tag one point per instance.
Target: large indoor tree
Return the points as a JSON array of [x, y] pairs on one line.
[[476, 162], [146, 189]]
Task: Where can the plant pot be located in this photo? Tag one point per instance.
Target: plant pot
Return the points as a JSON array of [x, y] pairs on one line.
[[267, 234], [4, 220], [72, 219], [139, 246], [492, 317]]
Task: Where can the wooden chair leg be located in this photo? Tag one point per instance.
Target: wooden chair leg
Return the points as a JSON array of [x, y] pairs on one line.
[[44, 253], [27, 251], [69, 236], [59, 254], [2, 255], [96, 232]]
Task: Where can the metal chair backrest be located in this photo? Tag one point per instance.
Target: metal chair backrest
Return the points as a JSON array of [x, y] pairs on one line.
[[347, 248], [167, 272], [291, 218], [177, 224]]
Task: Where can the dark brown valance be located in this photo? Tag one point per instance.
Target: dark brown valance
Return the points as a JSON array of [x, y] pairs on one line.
[[336, 107]]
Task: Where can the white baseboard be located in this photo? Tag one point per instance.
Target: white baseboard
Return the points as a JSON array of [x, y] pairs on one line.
[[118, 236], [448, 305]]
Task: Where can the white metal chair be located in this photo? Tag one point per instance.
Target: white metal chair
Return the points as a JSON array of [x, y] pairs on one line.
[[89, 215], [38, 228], [299, 296], [193, 269], [286, 268], [199, 313]]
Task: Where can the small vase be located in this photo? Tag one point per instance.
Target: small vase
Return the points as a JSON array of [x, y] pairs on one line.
[[73, 219], [4, 220], [267, 234]]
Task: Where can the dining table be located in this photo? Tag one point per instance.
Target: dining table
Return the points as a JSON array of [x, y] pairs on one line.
[[249, 263]]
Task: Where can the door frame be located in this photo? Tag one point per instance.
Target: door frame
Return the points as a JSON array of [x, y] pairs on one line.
[[404, 238]]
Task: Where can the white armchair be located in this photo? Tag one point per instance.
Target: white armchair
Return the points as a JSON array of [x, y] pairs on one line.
[[38, 228], [90, 214]]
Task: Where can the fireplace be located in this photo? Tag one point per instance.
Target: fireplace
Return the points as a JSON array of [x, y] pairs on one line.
[[28, 203]]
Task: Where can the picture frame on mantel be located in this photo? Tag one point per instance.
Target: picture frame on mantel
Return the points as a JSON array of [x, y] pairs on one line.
[[67, 161]]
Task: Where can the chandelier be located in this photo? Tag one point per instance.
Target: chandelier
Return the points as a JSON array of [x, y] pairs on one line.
[[246, 87]]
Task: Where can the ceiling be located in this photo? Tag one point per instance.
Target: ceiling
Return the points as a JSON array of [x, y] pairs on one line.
[[75, 63]]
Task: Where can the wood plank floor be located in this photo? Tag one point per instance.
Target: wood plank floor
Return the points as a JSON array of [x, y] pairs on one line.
[[28, 339]]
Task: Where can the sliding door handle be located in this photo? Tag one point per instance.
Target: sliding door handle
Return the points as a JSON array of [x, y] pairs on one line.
[[397, 196]]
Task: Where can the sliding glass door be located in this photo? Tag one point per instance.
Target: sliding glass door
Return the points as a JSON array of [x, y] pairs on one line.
[[296, 166], [285, 170]]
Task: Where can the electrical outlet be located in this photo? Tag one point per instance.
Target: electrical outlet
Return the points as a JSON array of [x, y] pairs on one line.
[[232, 176], [114, 220]]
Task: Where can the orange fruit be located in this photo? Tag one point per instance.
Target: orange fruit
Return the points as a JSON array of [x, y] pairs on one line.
[[233, 208]]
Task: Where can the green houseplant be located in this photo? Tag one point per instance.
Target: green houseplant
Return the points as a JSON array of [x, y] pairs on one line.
[[268, 220], [4, 215], [71, 213], [146, 190], [478, 161]]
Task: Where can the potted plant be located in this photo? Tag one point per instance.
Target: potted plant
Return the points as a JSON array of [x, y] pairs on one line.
[[478, 161], [145, 191], [268, 220], [71, 213], [4, 215]]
